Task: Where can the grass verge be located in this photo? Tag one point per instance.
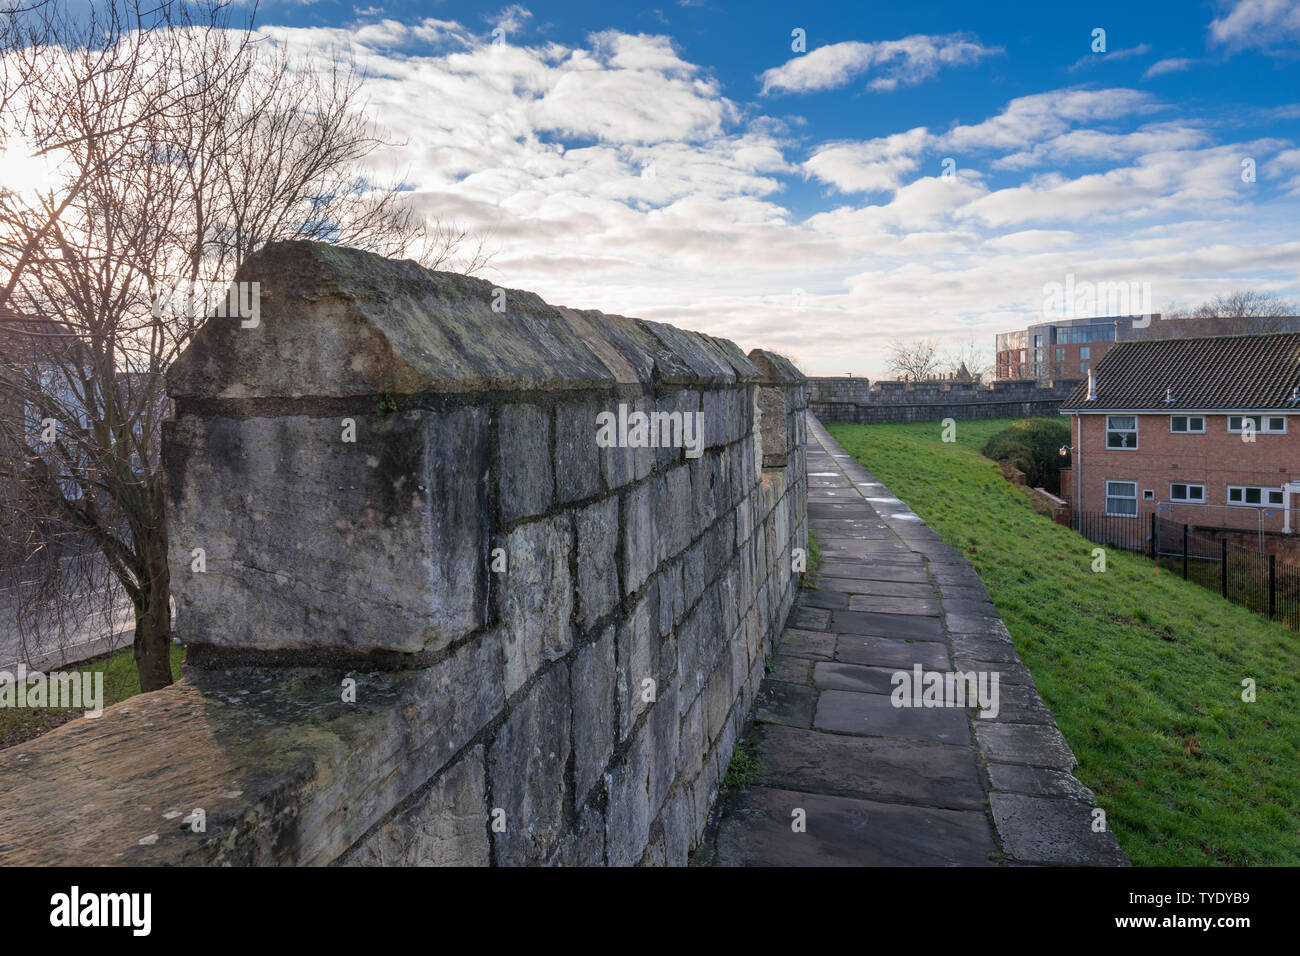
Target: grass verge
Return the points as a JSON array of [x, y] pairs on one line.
[[121, 680]]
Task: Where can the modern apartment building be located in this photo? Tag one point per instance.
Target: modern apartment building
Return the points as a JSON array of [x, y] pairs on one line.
[[1062, 348]]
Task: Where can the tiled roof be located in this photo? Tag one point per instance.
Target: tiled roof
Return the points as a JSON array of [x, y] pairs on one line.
[[1245, 372]]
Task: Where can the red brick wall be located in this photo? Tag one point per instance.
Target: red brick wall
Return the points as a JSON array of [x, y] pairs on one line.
[[1215, 459]]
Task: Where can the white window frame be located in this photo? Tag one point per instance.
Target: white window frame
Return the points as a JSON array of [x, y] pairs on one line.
[[1265, 492], [1189, 430], [1263, 427], [1123, 431], [1134, 497], [1187, 485]]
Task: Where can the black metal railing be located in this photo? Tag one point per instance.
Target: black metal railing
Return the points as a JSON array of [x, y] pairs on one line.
[[1267, 584]]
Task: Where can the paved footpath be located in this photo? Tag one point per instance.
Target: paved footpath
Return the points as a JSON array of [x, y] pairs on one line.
[[885, 785]]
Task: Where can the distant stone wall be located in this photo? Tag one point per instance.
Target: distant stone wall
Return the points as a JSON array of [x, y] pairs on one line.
[[430, 618], [857, 400]]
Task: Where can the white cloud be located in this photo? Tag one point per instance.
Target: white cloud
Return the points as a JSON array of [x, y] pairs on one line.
[[870, 166], [1257, 23], [617, 175], [1091, 145], [1092, 59], [1029, 119], [511, 19], [904, 62], [1172, 65]]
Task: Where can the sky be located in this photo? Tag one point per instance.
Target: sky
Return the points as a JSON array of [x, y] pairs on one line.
[[824, 179]]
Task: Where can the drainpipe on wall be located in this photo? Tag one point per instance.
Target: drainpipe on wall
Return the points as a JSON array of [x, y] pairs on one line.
[[1078, 467]]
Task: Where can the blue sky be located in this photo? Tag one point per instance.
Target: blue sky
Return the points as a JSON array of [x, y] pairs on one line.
[[683, 162]]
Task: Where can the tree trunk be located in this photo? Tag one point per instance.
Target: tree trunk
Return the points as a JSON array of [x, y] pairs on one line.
[[153, 621]]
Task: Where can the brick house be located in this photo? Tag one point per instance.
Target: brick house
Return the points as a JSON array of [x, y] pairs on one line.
[[1204, 431]]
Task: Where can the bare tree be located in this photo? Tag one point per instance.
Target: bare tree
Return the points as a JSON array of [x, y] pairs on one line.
[[217, 144], [968, 362], [1244, 311], [914, 360]]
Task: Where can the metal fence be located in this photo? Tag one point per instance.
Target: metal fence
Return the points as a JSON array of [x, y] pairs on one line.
[[1267, 584]]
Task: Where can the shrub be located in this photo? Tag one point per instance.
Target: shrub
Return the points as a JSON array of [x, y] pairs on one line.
[[1035, 448]]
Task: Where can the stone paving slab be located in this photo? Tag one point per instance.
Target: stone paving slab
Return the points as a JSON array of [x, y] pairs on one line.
[[875, 715], [832, 675], [780, 702], [849, 832], [878, 768], [877, 784], [912, 627], [1053, 831], [812, 644], [868, 571], [884, 652], [854, 586], [895, 605]]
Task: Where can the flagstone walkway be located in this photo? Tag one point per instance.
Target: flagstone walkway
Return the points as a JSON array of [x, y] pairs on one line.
[[886, 785]]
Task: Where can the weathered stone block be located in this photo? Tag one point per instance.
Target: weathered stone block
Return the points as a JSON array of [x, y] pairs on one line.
[[577, 456], [692, 744], [664, 724], [679, 826], [445, 825], [584, 844], [672, 603], [593, 680], [638, 659], [526, 768], [627, 816], [535, 597], [677, 527], [377, 544], [640, 536], [598, 592], [527, 480]]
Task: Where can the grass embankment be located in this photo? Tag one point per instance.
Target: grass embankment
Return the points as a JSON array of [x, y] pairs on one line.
[[121, 680], [1142, 670]]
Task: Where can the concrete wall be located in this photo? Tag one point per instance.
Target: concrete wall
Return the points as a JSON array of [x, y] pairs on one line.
[[857, 400], [435, 621]]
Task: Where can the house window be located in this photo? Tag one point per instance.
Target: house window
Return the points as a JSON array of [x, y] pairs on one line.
[[1083, 368], [1122, 498], [1060, 355], [1085, 352], [1186, 423], [1185, 492], [1060, 368], [1253, 495], [1274, 424], [1121, 431]]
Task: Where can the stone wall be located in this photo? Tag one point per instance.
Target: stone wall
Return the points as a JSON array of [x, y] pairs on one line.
[[858, 400], [430, 619]]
